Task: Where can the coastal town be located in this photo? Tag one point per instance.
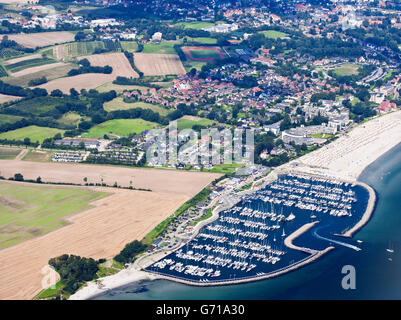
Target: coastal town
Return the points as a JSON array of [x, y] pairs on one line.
[[126, 97]]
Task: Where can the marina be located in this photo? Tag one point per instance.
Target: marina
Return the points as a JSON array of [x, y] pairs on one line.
[[286, 224]]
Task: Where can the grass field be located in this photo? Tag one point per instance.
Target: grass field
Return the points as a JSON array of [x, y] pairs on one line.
[[162, 47], [119, 104], [202, 40], [347, 70], [38, 156], [188, 122], [30, 211], [203, 53], [8, 153], [70, 118], [34, 133], [119, 127], [197, 25], [225, 168], [130, 46], [273, 34], [6, 118]]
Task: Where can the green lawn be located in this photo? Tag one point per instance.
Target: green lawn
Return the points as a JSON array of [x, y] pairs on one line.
[[225, 168], [119, 127], [30, 211], [204, 54], [119, 104], [201, 40], [197, 25], [273, 34], [162, 47], [348, 69], [34, 133], [188, 123], [8, 153]]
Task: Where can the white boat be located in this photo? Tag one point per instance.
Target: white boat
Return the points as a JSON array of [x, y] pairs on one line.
[[290, 217]]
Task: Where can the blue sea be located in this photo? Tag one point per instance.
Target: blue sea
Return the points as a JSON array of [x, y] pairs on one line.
[[378, 272]]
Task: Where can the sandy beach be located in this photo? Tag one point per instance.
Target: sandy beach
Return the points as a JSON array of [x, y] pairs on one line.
[[121, 279], [350, 154]]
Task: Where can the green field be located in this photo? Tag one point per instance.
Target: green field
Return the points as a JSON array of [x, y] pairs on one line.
[[273, 34], [201, 40], [119, 104], [348, 69], [197, 25], [38, 156], [8, 153], [188, 123], [30, 211], [119, 127], [162, 47], [6, 118], [204, 54], [34, 133], [25, 64], [130, 46], [71, 118]]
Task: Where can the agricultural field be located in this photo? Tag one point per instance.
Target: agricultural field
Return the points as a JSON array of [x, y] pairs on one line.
[[34, 133], [203, 54], [119, 88], [31, 211], [130, 46], [117, 60], [119, 104], [42, 39], [162, 47], [92, 233], [119, 127], [55, 71], [273, 34], [72, 50], [82, 81], [348, 69], [158, 64], [28, 63], [3, 71], [187, 122], [8, 154], [7, 98]]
